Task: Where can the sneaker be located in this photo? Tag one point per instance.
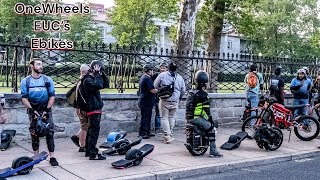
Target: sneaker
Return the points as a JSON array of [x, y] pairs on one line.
[[54, 162], [97, 157], [168, 139], [216, 155], [75, 140], [82, 149], [145, 137], [151, 135]]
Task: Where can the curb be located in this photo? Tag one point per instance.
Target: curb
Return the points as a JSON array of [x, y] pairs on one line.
[[218, 167]]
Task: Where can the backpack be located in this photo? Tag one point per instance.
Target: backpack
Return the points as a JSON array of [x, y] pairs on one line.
[[252, 80], [81, 100], [46, 83], [71, 97], [167, 91], [274, 85]]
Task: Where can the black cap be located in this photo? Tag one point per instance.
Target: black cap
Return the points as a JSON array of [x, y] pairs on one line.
[[173, 66], [147, 67]]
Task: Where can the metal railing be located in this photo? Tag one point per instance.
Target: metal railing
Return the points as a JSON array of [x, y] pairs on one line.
[[124, 65]]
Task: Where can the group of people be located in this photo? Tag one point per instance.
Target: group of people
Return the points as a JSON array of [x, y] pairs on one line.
[[38, 95], [301, 87], [149, 85]]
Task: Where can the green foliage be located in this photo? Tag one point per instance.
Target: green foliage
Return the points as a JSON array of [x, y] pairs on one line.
[[133, 21], [14, 25], [83, 28], [282, 28]]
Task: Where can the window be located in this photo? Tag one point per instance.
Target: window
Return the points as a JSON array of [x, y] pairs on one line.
[[230, 45]]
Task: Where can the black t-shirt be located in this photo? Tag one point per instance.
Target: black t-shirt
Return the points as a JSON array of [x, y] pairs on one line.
[[146, 97], [277, 82]]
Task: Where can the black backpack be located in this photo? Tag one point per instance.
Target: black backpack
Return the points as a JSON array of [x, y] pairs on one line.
[[46, 83], [274, 85]]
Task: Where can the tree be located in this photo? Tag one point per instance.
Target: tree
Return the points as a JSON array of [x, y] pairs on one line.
[[14, 25], [185, 35], [281, 28], [83, 28], [133, 21], [84, 31]]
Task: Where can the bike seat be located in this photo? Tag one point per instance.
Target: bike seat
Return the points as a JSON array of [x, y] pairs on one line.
[[295, 107]]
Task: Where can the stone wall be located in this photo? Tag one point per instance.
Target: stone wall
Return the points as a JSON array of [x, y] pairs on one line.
[[120, 111]]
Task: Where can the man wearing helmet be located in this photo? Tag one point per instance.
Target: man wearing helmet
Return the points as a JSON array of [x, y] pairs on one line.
[[198, 108], [146, 101], [90, 102], [300, 87]]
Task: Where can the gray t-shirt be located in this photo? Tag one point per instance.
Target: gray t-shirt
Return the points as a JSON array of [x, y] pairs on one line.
[[165, 79]]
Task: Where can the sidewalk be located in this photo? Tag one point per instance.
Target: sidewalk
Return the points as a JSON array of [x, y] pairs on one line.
[[166, 161]]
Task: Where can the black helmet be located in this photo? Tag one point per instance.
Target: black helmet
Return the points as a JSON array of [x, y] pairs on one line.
[[201, 77], [277, 71], [173, 66], [94, 62], [147, 67], [253, 67]]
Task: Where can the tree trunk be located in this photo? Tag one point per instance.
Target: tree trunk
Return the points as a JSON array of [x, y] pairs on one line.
[[185, 38], [214, 40]]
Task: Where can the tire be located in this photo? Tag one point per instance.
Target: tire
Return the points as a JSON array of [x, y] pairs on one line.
[[22, 161], [279, 141], [198, 152], [301, 120], [247, 122], [133, 154], [234, 139], [120, 144]]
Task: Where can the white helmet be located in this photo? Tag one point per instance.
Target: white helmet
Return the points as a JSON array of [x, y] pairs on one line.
[[306, 68], [302, 71]]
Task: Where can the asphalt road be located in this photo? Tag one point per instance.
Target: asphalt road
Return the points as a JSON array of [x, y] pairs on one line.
[[302, 169]]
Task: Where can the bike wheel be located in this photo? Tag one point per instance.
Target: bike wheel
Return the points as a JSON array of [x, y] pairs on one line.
[[275, 144], [249, 125], [307, 128]]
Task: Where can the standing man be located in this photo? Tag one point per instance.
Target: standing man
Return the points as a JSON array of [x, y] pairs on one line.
[[38, 93], [157, 120], [90, 102], [300, 87], [277, 86], [254, 84], [80, 138], [169, 105], [146, 101]]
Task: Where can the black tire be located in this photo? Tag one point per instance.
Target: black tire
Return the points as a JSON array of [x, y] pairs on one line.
[[234, 139], [301, 120], [246, 123], [121, 144], [22, 161], [134, 154], [198, 152], [279, 140]]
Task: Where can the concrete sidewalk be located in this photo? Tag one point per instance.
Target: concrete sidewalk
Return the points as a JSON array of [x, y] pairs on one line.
[[165, 162]]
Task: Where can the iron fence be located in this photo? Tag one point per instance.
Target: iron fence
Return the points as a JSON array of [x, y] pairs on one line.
[[124, 65]]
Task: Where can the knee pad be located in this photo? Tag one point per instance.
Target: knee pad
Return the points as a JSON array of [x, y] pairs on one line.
[[212, 135]]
